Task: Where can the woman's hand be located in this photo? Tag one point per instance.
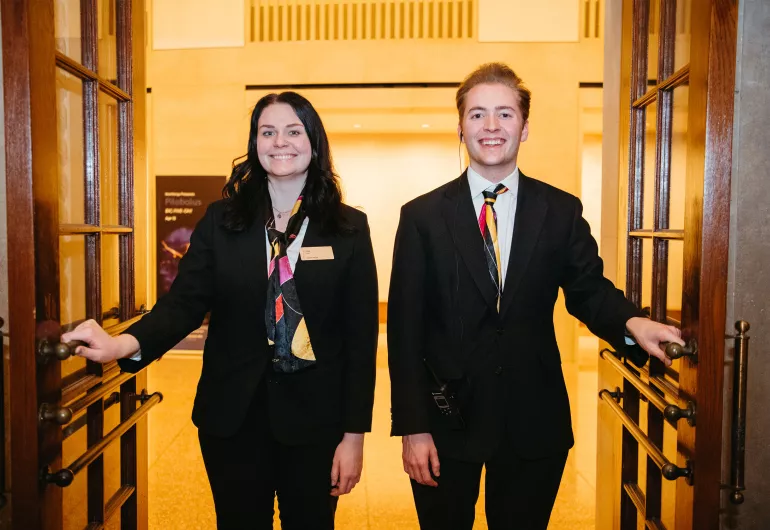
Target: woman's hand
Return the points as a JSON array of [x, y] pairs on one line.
[[347, 464], [101, 348]]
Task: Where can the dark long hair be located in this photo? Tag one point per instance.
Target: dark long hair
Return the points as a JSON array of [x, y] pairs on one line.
[[246, 189]]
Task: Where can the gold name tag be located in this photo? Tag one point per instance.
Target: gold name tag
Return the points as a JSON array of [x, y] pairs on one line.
[[316, 253]]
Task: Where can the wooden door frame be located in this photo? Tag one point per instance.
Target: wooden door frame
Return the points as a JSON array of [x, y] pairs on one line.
[[28, 69], [710, 132]]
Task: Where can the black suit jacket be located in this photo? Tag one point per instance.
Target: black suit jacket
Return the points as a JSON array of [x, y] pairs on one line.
[[226, 273], [506, 366]]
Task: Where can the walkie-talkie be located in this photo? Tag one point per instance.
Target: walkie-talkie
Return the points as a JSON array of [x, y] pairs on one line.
[[445, 400]]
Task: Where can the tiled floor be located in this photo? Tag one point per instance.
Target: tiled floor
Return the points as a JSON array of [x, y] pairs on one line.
[[180, 499]]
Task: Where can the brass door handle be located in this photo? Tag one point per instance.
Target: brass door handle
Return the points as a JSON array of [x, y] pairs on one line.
[[60, 350], [740, 384], [60, 416], [65, 476], [675, 350]]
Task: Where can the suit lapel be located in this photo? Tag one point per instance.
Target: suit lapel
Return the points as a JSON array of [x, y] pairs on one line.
[[531, 209], [312, 238], [462, 222], [253, 256]]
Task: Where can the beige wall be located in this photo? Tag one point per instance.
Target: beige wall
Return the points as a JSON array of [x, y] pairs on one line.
[[200, 113], [382, 172]]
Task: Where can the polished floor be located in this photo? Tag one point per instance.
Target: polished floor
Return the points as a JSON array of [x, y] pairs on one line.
[[179, 497]]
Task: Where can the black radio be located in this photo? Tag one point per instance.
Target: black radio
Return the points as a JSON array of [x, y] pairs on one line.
[[444, 397]]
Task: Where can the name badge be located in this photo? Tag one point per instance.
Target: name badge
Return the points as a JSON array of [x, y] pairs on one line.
[[316, 253]]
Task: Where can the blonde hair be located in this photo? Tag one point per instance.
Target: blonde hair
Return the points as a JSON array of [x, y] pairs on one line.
[[491, 73]]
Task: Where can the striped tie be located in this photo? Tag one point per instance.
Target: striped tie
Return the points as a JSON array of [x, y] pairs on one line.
[[488, 226]]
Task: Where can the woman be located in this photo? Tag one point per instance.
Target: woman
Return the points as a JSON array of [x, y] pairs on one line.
[[288, 274]]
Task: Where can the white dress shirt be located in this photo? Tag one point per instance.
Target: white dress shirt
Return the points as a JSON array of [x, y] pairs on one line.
[[505, 207], [292, 252]]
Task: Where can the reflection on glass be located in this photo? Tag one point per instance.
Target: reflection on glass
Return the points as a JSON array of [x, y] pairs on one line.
[[107, 42], [668, 487], [114, 522], [674, 296], [675, 277], [678, 156], [69, 138], [112, 453], [72, 290], [75, 496], [67, 28], [642, 456], [646, 273], [682, 40], [649, 165], [108, 158], [110, 276], [653, 40]]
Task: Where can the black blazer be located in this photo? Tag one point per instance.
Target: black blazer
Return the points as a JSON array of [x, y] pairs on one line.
[[506, 367], [226, 273]]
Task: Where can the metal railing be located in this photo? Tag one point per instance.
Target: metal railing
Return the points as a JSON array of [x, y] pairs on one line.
[[65, 476]]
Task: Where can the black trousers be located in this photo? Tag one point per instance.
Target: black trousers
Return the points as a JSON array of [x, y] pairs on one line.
[[519, 493], [248, 470]]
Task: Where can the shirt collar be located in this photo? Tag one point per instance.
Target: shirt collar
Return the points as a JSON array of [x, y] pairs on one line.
[[478, 183]]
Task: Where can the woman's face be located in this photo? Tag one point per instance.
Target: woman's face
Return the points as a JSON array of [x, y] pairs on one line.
[[283, 146]]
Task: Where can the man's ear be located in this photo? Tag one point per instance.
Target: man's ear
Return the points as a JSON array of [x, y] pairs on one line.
[[460, 133], [525, 131]]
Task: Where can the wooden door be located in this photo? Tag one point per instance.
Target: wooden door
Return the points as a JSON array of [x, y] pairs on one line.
[[678, 68], [78, 450]]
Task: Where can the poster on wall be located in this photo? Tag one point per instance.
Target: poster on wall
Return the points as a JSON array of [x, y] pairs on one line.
[[181, 203]]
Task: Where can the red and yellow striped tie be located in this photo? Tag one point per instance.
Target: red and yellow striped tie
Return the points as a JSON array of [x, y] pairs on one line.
[[488, 226]]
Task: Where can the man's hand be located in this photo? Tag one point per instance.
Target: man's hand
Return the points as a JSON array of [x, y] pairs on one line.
[[347, 464], [101, 348], [649, 334], [419, 451]]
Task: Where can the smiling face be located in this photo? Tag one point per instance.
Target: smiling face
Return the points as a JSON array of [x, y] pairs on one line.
[[283, 146], [492, 128]]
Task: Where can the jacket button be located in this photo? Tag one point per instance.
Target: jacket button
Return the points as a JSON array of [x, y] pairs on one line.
[[498, 370]]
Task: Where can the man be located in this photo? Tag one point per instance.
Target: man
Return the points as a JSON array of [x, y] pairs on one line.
[[474, 365]]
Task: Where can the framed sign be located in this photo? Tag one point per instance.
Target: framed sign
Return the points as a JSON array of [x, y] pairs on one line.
[[181, 203]]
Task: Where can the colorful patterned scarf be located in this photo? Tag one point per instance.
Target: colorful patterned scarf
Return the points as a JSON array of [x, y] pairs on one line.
[[286, 329]]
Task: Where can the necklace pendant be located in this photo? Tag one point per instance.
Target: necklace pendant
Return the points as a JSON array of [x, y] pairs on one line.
[[279, 216]]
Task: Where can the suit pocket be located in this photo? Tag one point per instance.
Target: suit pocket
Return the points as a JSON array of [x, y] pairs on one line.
[[550, 359]]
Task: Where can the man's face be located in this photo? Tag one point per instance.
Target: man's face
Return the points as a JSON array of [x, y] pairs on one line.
[[492, 128]]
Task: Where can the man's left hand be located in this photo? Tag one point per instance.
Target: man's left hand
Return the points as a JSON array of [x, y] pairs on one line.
[[649, 334], [347, 464]]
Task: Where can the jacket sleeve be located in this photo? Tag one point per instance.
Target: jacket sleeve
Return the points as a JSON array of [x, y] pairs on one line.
[[182, 310], [406, 330], [362, 329], [590, 297]]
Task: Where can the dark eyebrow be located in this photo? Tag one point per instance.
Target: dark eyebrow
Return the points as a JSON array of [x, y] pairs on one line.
[[268, 126]]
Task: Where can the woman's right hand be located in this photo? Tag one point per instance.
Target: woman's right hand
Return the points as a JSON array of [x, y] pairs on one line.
[[102, 347]]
